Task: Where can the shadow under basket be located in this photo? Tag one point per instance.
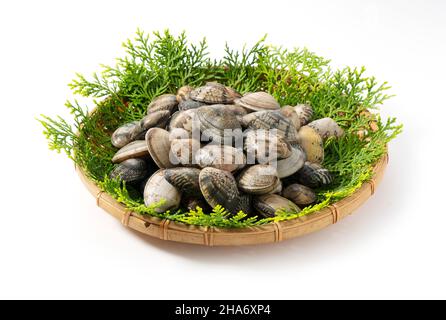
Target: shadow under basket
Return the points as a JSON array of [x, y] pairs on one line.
[[212, 236]]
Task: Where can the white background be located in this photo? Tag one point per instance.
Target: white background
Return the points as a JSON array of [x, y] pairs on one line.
[[55, 242]]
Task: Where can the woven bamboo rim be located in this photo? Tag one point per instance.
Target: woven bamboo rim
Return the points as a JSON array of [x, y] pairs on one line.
[[212, 236]]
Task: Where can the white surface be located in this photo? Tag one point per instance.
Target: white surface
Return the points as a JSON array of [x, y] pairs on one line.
[[393, 247]]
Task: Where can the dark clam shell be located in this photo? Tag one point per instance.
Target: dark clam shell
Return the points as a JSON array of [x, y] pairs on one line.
[[130, 170], [299, 194], [220, 188], [155, 119], [163, 102], [184, 179], [268, 204], [135, 149], [313, 175], [191, 202]]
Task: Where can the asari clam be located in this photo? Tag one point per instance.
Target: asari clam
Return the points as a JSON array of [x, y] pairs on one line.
[[184, 179], [216, 122], [158, 145], [164, 102], [212, 93], [219, 187], [313, 175], [304, 112], [266, 146], [190, 104], [311, 142], [268, 120], [327, 127], [126, 134], [184, 119], [160, 193], [130, 170], [299, 194], [258, 101], [267, 205], [222, 157], [291, 114], [135, 149], [259, 179], [183, 93], [288, 166], [182, 151]]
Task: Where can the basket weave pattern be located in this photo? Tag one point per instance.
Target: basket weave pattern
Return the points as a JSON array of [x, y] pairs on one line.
[[213, 236]]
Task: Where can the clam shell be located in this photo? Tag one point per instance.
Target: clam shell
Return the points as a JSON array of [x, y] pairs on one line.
[[157, 189], [155, 119], [130, 170], [291, 114], [183, 93], [214, 120], [126, 134], [313, 175], [233, 93], [258, 179], [327, 127], [184, 179], [304, 112], [222, 157], [189, 104], [238, 111], [135, 149], [184, 120], [268, 204], [158, 145], [312, 144], [182, 151], [163, 102], [258, 101], [265, 146], [220, 188], [287, 167], [268, 120], [299, 194], [212, 93]]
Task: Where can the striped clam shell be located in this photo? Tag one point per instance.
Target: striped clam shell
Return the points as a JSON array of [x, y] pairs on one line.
[[184, 179], [267, 205], [135, 149], [258, 101], [258, 179], [130, 170], [163, 102], [313, 175]]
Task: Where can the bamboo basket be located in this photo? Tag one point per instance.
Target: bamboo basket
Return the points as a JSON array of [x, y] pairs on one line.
[[212, 236]]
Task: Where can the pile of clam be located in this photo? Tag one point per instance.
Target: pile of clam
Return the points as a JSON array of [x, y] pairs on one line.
[[211, 146]]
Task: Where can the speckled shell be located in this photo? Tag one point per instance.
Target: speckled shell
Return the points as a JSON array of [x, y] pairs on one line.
[[163, 102], [130, 170], [267, 205], [258, 101], [220, 188], [158, 144], [135, 149], [157, 189], [184, 179], [183, 93], [155, 119], [126, 134], [291, 114], [268, 120], [299, 194], [264, 146], [312, 144], [184, 119], [215, 119], [304, 112], [258, 179], [182, 151], [287, 167], [222, 157], [212, 93], [190, 104], [313, 175], [327, 127]]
